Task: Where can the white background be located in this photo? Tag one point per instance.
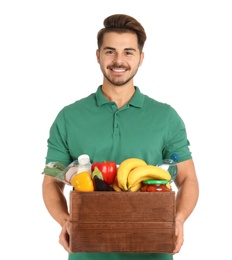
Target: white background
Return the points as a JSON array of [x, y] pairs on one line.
[[47, 60]]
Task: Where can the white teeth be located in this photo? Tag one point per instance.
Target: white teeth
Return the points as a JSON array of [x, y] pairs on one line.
[[119, 70]]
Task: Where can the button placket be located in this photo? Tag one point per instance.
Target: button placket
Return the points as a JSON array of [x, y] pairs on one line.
[[116, 128]]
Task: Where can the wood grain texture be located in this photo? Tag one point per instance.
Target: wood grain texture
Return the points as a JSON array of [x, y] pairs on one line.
[[122, 221]]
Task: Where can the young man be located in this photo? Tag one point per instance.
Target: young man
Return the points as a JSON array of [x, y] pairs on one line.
[[119, 122]]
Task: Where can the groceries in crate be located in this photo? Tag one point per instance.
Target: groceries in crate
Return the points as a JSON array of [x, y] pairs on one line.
[[82, 164], [83, 182], [65, 173], [156, 186], [102, 174], [56, 170], [131, 175], [133, 171], [170, 165], [100, 182], [107, 169], [101, 185]]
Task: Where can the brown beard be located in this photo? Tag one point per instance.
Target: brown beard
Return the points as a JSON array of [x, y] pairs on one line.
[[117, 66]]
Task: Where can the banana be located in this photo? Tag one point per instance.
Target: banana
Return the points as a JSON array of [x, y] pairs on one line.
[[115, 185], [135, 187], [146, 172], [124, 169]]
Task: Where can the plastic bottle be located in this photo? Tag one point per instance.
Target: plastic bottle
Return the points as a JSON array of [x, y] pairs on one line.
[[84, 164], [170, 165]]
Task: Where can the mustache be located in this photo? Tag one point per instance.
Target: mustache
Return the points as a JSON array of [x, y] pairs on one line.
[[117, 66]]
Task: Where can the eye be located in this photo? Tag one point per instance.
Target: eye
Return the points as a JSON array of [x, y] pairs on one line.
[[110, 52], [129, 53]]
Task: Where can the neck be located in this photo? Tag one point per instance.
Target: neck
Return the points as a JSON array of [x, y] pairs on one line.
[[118, 94]]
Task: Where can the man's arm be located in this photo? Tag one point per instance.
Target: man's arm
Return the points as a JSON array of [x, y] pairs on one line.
[[56, 204], [186, 199]]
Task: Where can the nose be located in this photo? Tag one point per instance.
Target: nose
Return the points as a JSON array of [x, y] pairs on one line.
[[118, 58]]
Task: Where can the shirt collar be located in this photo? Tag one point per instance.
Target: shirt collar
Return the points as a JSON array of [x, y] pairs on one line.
[[136, 101]]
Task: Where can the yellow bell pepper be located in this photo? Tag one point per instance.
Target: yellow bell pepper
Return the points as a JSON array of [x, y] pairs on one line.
[[83, 182]]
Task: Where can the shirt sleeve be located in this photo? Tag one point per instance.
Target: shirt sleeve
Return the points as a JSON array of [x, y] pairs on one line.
[[57, 148], [177, 141]]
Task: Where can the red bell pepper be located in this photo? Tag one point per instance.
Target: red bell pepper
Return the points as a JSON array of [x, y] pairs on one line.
[[108, 170]]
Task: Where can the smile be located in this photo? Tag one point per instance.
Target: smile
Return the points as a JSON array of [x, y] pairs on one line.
[[119, 70]]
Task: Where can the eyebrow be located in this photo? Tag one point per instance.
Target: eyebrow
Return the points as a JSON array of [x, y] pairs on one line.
[[113, 49]]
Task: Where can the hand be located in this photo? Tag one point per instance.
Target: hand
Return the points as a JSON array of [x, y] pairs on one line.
[[179, 232], [64, 236]]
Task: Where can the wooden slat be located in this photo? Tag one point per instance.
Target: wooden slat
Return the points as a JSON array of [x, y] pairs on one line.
[[122, 206], [122, 222]]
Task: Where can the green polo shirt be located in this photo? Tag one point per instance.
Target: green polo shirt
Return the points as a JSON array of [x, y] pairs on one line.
[[143, 128]]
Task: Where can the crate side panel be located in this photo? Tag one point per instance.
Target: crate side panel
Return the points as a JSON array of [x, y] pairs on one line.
[[123, 237], [95, 207]]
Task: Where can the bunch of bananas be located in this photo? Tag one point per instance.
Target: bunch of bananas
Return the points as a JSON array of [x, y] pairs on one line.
[[133, 171]]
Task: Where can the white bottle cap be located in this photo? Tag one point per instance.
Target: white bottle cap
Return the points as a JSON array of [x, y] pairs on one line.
[[84, 158]]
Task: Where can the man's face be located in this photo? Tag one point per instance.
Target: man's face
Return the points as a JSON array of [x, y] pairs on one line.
[[119, 57]]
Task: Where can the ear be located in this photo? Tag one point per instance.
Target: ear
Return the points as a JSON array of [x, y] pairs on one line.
[[98, 56], [141, 58]]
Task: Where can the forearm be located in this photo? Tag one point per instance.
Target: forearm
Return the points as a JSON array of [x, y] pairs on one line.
[[188, 190], [55, 200], [186, 199]]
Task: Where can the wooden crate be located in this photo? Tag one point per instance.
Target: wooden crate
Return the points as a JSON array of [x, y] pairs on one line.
[[122, 222]]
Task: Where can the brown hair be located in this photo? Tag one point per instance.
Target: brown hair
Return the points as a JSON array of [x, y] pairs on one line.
[[121, 23]]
